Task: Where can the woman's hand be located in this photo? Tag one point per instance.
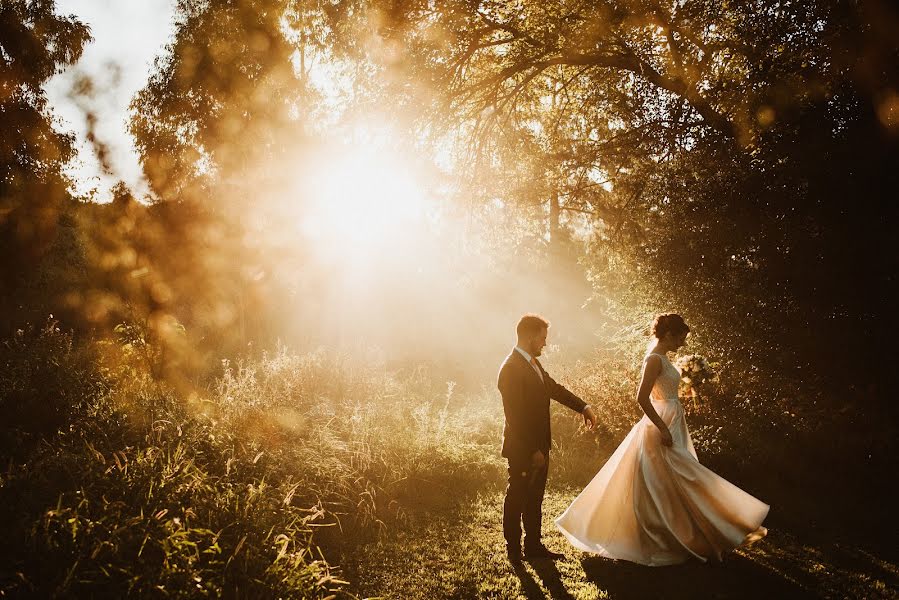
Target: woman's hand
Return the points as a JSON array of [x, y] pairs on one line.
[[666, 437], [651, 369]]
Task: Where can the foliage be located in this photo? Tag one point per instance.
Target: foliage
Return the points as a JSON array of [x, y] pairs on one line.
[[220, 100], [376, 442], [176, 511], [35, 43], [44, 378], [47, 284], [227, 115], [229, 491], [704, 154]]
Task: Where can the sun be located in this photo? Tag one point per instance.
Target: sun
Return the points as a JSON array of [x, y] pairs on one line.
[[362, 199]]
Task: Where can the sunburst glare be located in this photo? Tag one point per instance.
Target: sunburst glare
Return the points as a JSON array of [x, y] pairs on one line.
[[361, 200]]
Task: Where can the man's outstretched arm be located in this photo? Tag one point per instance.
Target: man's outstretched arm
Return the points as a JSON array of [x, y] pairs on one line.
[[563, 395]]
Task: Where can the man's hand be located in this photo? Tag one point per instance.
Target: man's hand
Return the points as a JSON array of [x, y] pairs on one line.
[[589, 418], [538, 460]]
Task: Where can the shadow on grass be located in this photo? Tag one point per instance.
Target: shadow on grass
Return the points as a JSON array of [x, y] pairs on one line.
[[550, 576], [739, 577], [461, 554], [781, 566]]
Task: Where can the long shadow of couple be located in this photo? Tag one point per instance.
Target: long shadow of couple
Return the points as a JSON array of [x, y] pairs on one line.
[[739, 578], [549, 574]]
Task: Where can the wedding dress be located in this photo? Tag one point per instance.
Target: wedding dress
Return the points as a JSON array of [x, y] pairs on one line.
[[656, 505]]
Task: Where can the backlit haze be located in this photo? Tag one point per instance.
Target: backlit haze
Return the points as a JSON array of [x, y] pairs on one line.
[[368, 231]]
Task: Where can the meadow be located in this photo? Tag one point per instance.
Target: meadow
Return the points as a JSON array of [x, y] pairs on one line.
[[325, 474], [285, 243]]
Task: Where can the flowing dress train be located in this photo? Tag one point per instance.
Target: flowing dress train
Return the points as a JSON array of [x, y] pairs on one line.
[[656, 505]]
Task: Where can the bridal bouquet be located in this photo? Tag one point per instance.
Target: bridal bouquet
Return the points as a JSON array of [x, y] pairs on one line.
[[695, 371]]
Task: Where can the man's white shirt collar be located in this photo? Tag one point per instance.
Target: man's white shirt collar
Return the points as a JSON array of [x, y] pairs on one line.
[[531, 362], [526, 356]]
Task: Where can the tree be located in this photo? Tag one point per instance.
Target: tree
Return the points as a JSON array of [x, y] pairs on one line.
[[219, 127], [35, 43], [229, 96], [710, 146]]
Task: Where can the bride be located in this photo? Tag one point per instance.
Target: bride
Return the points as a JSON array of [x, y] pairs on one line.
[[653, 503]]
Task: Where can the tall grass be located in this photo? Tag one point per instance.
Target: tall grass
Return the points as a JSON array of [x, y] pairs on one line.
[[257, 482], [231, 489]]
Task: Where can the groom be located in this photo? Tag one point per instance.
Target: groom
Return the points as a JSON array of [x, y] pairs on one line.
[[526, 390]]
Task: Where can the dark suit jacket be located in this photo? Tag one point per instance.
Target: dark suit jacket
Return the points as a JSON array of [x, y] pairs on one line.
[[526, 404]]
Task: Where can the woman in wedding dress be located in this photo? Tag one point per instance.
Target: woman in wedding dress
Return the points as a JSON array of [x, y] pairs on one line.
[[653, 503]]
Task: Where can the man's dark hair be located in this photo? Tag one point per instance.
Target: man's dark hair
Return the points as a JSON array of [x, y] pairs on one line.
[[531, 324]]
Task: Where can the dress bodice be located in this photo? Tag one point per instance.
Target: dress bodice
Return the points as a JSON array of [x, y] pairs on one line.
[[666, 384]]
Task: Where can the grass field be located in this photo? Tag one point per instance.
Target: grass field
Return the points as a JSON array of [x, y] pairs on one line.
[[313, 475], [461, 555]]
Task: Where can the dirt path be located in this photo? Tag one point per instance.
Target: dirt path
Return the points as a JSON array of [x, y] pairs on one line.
[[463, 557]]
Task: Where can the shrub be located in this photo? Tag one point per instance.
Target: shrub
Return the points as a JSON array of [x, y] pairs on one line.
[[373, 446], [44, 377], [231, 490], [181, 508]]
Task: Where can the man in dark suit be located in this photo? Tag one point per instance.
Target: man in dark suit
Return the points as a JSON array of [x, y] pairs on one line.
[[526, 390]]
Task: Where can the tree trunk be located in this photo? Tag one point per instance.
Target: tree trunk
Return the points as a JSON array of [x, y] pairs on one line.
[[554, 217]]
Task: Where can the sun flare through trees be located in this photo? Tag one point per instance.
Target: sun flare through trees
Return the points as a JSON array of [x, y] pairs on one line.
[[270, 369]]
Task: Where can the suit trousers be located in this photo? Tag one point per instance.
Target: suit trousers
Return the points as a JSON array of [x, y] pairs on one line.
[[524, 503]]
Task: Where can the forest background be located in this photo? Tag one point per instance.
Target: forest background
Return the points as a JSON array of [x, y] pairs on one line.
[[279, 361]]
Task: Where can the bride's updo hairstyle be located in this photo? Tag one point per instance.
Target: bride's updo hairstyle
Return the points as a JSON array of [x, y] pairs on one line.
[[669, 323]]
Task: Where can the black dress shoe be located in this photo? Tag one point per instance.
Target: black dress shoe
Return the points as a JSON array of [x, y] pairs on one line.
[[514, 555], [542, 551]]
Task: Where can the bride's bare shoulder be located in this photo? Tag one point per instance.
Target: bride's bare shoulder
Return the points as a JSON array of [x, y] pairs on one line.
[[652, 360]]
